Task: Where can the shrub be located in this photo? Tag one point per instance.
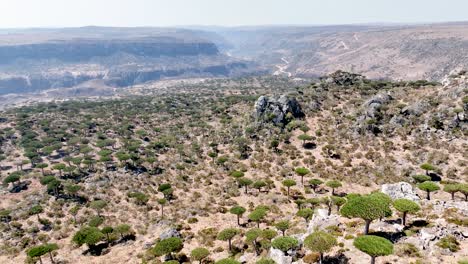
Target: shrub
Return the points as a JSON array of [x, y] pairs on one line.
[[265, 261], [227, 261], [199, 254], [407, 250], [450, 243], [168, 246]]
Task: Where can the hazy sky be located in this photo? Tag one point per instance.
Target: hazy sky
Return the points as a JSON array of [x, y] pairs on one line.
[[66, 13]]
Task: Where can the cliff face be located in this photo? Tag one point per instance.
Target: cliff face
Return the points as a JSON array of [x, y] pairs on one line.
[[69, 51], [61, 61]]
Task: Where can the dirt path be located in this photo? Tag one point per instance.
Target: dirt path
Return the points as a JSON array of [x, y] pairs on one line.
[[282, 68]]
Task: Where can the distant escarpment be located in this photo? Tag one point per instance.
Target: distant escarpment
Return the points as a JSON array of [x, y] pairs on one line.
[[67, 63], [84, 50]]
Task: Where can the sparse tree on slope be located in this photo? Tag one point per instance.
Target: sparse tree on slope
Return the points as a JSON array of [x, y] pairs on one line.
[[302, 172], [333, 184], [374, 246], [367, 208], [405, 207], [428, 187], [452, 188], [284, 243], [227, 235], [320, 242], [289, 183], [282, 226], [239, 211]]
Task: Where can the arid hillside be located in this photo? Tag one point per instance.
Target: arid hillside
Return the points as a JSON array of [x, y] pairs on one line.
[[408, 52], [248, 170]]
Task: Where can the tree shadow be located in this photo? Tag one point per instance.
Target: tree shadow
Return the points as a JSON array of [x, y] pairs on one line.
[[435, 177], [156, 171], [75, 198], [6, 167], [392, 236], [135, 169], [393, 221], [340, 194], [97, 250], [22, 186], [418, 223], [336, 259], [309, 145]]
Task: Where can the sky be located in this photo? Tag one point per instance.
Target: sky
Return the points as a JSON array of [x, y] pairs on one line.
[[130, 13]]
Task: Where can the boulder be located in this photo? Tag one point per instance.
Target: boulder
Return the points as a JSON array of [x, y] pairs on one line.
[[321, 220], [276, 110], [279, 257], [415, 109], [170, 233], [371, 117], [400, 190], [373, 106]]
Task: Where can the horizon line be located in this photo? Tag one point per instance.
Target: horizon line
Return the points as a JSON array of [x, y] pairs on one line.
[[187, 26]]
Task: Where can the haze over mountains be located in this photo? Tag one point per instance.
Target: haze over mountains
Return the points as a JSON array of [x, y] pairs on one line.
[[34, 60]]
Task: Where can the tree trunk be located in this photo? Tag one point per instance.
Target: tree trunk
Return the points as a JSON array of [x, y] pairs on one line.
[[453, 196], [372, 261], [284, 232], [40, 260], [51, 258], [329, 210], [404, 219], [162, 211], [258, 224], [230, 245], [333, 191], [246, 189], [321, 258], [428, 197], [288, 191], [366, 229], [238, 220]]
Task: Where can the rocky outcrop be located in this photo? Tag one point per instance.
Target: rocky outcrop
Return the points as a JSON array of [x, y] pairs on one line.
[[279, 257], [429, 236], [371, 114], [170, 233], [321, 220], [400, 190], [343, 78], [279, 111]]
